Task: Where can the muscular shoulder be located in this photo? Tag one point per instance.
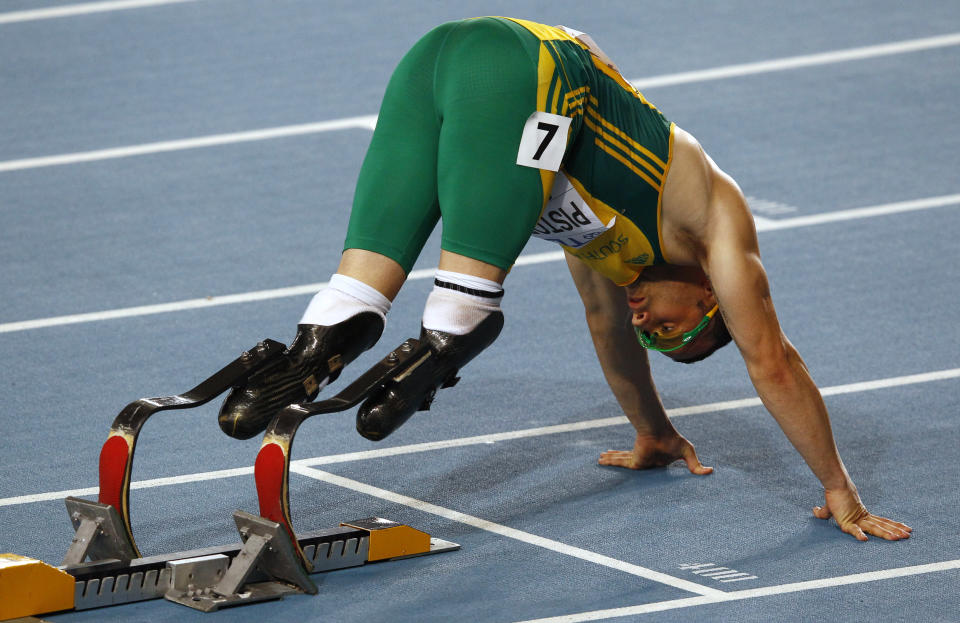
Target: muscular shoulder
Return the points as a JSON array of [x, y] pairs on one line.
[[700, 204], [686, 195]]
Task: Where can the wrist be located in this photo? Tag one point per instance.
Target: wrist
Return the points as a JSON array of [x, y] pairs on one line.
[[842, 482], [653, 428]]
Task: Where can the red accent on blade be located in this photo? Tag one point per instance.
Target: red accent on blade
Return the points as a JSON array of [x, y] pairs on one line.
[[113, 471], [269, 470]]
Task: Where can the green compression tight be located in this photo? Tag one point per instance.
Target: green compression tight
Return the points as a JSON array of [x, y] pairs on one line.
[[446, 146]]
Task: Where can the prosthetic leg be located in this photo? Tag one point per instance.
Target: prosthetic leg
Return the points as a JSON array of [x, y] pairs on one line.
[[401, 383], [270, 562], [315, 358], [386, 410]]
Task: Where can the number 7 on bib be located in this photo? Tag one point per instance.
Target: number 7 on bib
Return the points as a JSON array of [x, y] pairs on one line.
[[544, 140]]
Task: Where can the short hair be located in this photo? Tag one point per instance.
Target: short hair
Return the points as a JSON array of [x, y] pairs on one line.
[[716, 334]]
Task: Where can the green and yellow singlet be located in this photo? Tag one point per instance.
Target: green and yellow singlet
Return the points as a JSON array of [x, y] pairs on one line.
[[604, 206], [503, 129]]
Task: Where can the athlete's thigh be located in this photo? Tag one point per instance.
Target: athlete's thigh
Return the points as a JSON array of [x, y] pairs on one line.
[[395, 206], [486, 90]]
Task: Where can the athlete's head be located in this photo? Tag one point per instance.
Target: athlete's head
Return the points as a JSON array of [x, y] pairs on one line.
[[675, 312]]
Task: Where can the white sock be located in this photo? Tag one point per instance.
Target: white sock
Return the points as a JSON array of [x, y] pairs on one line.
[[458, 302], [343, 298]]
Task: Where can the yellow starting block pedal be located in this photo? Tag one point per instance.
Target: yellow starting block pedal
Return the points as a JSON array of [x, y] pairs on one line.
[[389, 539], [29, 586]]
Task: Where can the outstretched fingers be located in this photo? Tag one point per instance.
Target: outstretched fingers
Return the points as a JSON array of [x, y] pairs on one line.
[[885, 528], [618, 458], [651, 457], [875, 525], [854, 530], [850, 527]]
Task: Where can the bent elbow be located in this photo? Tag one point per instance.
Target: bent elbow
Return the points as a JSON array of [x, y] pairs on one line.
[[771, 375], [600, 319], [775, 366]]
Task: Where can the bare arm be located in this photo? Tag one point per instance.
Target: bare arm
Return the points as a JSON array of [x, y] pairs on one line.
[[732, 261], [627, 371], [722, 238]]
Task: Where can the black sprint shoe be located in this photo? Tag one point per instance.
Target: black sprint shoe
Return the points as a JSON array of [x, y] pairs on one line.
[[315, 358], [385, 411]]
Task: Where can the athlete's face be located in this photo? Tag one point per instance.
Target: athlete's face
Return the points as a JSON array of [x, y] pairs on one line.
[[669, 300]]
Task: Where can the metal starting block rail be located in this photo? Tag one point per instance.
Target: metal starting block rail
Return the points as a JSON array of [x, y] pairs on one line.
[[266, 566]]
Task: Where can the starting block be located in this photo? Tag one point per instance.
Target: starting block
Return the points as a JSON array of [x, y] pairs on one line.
[[264, 567]]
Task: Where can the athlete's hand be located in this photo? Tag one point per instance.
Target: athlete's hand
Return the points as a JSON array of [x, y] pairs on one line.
[[853, 518], [656, 451]]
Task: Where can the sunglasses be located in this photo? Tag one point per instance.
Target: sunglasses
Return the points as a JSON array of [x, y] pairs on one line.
[[670, 343]]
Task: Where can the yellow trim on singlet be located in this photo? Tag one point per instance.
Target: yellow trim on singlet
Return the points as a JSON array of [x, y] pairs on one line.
[[616, 252], [640, 148], [543, 32], [575, 98], [607, 143], [617, 77], [551, 33], [546, 71], [554, 108], [546, 75], [607, 253], [622, 160], [563, 68]]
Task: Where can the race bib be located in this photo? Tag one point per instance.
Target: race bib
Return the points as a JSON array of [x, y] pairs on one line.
[[567, 219], [543, 141]]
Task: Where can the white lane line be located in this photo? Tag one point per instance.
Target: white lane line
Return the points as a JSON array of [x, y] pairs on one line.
[[229, 299], [139, 484], [190, 143], [506, 531], [900, 381], [763, 224], [176, 306], [767, 591], [797, 62], [369, 121], [857, 213], [715, 407], [161, 308], [81, 9]]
